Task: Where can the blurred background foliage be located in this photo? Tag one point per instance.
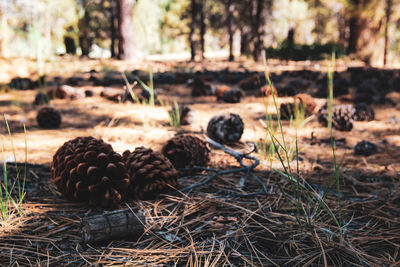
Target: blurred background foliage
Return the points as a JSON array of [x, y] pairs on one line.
[[287, 29]]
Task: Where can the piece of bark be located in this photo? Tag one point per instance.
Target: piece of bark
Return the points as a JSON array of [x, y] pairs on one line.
[[112, 225]]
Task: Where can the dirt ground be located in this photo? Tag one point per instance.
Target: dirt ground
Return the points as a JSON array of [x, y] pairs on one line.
[[187, 229]]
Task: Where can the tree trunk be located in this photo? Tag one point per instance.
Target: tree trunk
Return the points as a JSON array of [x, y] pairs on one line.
[[126, 42], [202, 28], [388, 13], [192, 35], [229, 23], [364, 29], [258, 30], [113, 29]]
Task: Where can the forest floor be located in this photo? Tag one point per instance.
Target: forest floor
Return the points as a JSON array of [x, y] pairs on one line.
[[229, 221]]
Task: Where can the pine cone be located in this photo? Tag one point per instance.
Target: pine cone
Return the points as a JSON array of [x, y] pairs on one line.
[[87, 169], [307, 102], [200, 87], [185, 114], [233, 95], [365, 148], [219, 92], [342, 117], [254, 82], [186, 151], [48, 118], [266, 91], [364, 112], [41, 99], [150, 172], [225, 128], [288, 110]]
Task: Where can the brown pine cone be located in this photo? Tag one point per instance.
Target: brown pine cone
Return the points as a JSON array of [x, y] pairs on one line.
[[364, 112], [220, 91], [266, 91], [41, 99], [233, 95], [186, 151], [307, 102], [225, 128], [342, 116], [48, 118], [287, 110], [87, 169], [150, 172]]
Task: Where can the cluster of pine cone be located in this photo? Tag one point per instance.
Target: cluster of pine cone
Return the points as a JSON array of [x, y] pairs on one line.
[[87, 169], [344, 115]]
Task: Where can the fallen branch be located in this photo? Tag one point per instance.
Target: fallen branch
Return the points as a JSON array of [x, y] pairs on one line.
[[238, 156], [111, 226]]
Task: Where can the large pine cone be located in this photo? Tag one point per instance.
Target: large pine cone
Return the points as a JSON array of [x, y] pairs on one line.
[[342, 117], [150, 172], [87, 169], [48, 118], [364, 112], [186, 151], [307, 102], [225, 128], [233, 95]]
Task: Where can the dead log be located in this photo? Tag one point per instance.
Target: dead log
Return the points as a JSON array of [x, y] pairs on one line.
[[112, 226]]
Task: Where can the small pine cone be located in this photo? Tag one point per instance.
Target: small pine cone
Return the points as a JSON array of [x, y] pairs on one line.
[[41, 99], [48, 118], [365, 148], [342, 117], [150, 172], [307, 102], [186, 115], [200, 87], [364, 112], [87, 169], [186, 151], [233, 95], [225, 128], [253, 82], [287, 110], [219, 92], [266, 91]]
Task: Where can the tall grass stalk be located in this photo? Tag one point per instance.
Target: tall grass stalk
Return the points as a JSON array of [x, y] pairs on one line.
[[148, 88], [301, 189], [6, 199], [175, 116]]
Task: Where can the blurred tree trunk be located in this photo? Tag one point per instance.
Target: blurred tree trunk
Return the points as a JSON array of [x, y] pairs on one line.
[[85, 37], [113, 29], [364, 25], [258, 29], [229, 24], [192, 34], [388, 14], [70, 47], [202, 28], [126, 42]]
